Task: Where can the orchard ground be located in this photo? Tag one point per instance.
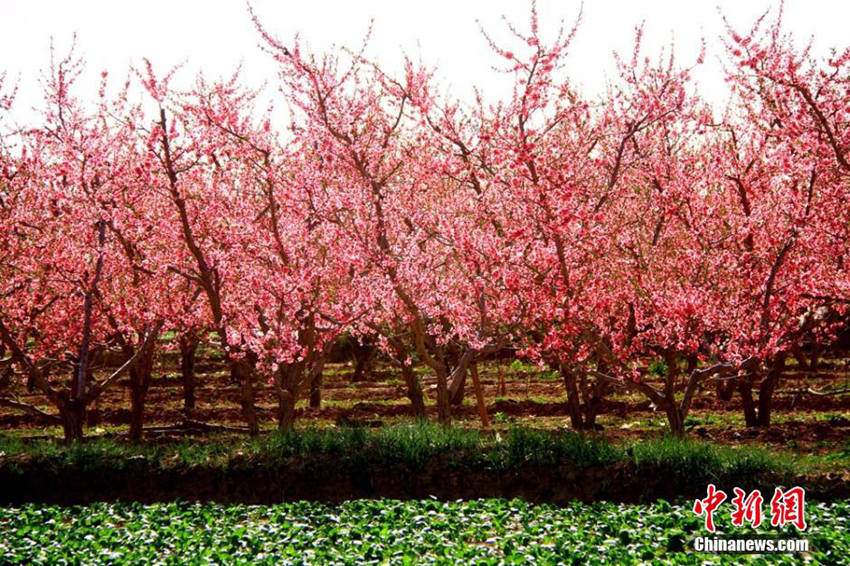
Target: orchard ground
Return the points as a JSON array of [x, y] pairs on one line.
[[527, 413], [516, 393], [362, 445], [805, 424]]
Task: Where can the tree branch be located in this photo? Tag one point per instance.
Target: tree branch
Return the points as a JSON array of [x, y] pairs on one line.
[[96, 391], [27, 408]]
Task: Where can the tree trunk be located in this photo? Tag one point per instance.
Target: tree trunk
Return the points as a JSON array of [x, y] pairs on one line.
[[242, 372], [503, 386], [573, 399], [365, 356], [287, 396], [593, 402], [140, 379], [590, 412], [675, 420], [444, 408], [316, 391], [414, 391], [768, 386], [724, 389], [745, 389], [188, 346], [73, 414], [285, 410], [457, 389], [77, 405], [674, 416], [479, 396]]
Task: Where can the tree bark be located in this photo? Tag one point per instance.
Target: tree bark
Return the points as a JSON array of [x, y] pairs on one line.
[[287, 380], [188, 346], [365, 356], [414, 391], [285, 410], [766, 389], [503, 387], [590, 413], [573, 399], [724, 390], [675, 418], [592, 400], [457, 389], [241, 371], [73, 415], [444, 406], [479, 396], [140, 378], [316, 391], [745, 389], [814, 357]]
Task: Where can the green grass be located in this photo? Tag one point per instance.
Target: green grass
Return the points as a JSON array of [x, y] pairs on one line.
[[831, 460], [525, 445], [700, 462], [408, 444], [487, 531], [704, 419]]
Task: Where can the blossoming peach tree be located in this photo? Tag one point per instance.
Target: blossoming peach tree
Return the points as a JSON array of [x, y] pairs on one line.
[[591, 235]]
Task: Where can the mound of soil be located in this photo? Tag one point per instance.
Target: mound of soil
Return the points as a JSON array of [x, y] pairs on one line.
[[327, 478]]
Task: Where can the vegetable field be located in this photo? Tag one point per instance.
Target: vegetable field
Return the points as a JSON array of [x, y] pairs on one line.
[[487, 531]]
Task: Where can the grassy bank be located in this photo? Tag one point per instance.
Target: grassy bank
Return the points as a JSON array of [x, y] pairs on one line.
[[412, 446]]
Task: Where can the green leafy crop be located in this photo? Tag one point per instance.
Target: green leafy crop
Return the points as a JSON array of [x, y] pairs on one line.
[[489, 531]]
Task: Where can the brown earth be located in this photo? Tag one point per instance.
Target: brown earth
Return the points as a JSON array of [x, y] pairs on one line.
[[331, 479], [532, 398]]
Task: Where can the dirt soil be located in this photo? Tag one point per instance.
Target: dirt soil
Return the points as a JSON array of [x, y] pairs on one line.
[[530, 398], [330, 479]]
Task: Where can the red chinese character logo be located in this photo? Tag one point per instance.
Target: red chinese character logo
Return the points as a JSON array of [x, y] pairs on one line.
[[788, 507], [747, 507], [708, 505]]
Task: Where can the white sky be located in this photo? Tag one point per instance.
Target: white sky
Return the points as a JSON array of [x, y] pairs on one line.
[[217, 35]]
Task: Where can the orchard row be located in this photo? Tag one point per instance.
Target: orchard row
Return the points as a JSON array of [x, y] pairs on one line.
[[587, 234]]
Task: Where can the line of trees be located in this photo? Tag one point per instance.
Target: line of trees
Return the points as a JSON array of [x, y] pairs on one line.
[[590, 234]]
